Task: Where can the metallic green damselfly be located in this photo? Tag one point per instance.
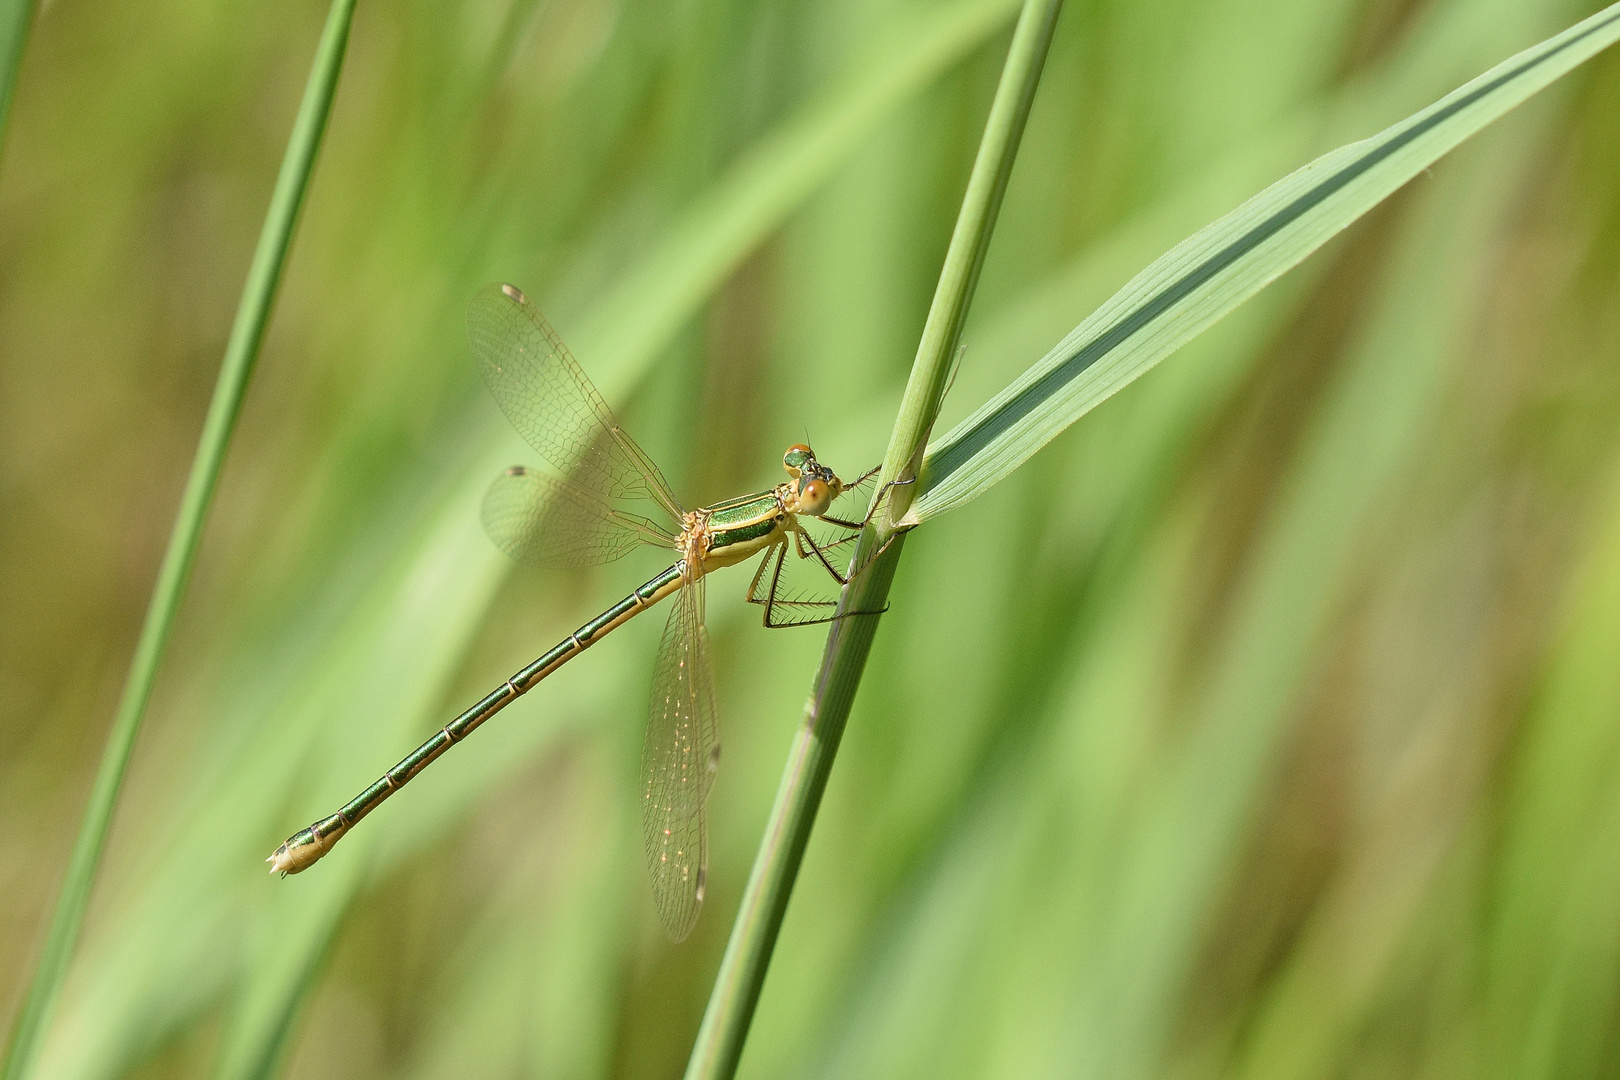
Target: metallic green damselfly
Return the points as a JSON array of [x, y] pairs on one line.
[[584, 517]]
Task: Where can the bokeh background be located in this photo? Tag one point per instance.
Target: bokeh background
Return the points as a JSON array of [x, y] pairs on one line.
[[1266, 724]]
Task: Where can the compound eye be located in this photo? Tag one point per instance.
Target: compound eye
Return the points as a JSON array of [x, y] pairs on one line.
[[793, 461], [814, 495]]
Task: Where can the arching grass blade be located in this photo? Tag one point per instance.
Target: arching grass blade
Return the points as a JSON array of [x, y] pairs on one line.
[[1200, 280]]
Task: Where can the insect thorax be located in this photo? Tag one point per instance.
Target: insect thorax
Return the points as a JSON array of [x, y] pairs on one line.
[[733, 531]]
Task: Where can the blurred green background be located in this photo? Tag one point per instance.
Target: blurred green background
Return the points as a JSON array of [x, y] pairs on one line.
[[1267, 724]]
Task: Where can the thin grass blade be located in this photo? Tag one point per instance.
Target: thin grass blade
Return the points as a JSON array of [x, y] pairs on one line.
[[241, 352], [1223, 265]]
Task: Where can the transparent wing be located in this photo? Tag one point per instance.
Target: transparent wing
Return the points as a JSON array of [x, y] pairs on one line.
[[545, 394], [544, 522], [678, 764]]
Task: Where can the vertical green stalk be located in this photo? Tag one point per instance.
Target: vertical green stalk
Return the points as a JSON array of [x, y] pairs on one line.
[[15, 17], [770, 883], [241, 351]]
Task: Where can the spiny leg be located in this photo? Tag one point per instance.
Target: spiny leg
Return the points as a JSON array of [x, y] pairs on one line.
[[753, 586], [815, 547], [864, 477], [774, 599], [861, 569], [841, 579], [877, 502], [753, 595]]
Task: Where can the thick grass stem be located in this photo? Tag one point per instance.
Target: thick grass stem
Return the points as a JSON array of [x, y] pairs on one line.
[[770, 884]]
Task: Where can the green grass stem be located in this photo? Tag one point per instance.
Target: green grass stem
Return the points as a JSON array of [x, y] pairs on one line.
[[241, 351], [770, 883]]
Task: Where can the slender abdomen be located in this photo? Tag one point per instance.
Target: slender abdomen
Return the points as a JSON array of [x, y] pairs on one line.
[[306, 846]]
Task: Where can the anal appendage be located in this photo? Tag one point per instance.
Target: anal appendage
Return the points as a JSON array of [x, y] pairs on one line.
[[304, 847]]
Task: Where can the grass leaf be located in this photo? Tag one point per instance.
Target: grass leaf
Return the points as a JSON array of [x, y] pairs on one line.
[[1206, 276]]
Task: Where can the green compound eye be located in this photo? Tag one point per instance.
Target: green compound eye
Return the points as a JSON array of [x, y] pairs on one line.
[[797, 457]]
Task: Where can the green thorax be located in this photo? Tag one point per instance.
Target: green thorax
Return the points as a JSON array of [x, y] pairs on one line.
[[748, 519]]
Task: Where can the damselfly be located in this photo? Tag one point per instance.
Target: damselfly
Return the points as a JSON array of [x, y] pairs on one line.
[[585, 516]]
